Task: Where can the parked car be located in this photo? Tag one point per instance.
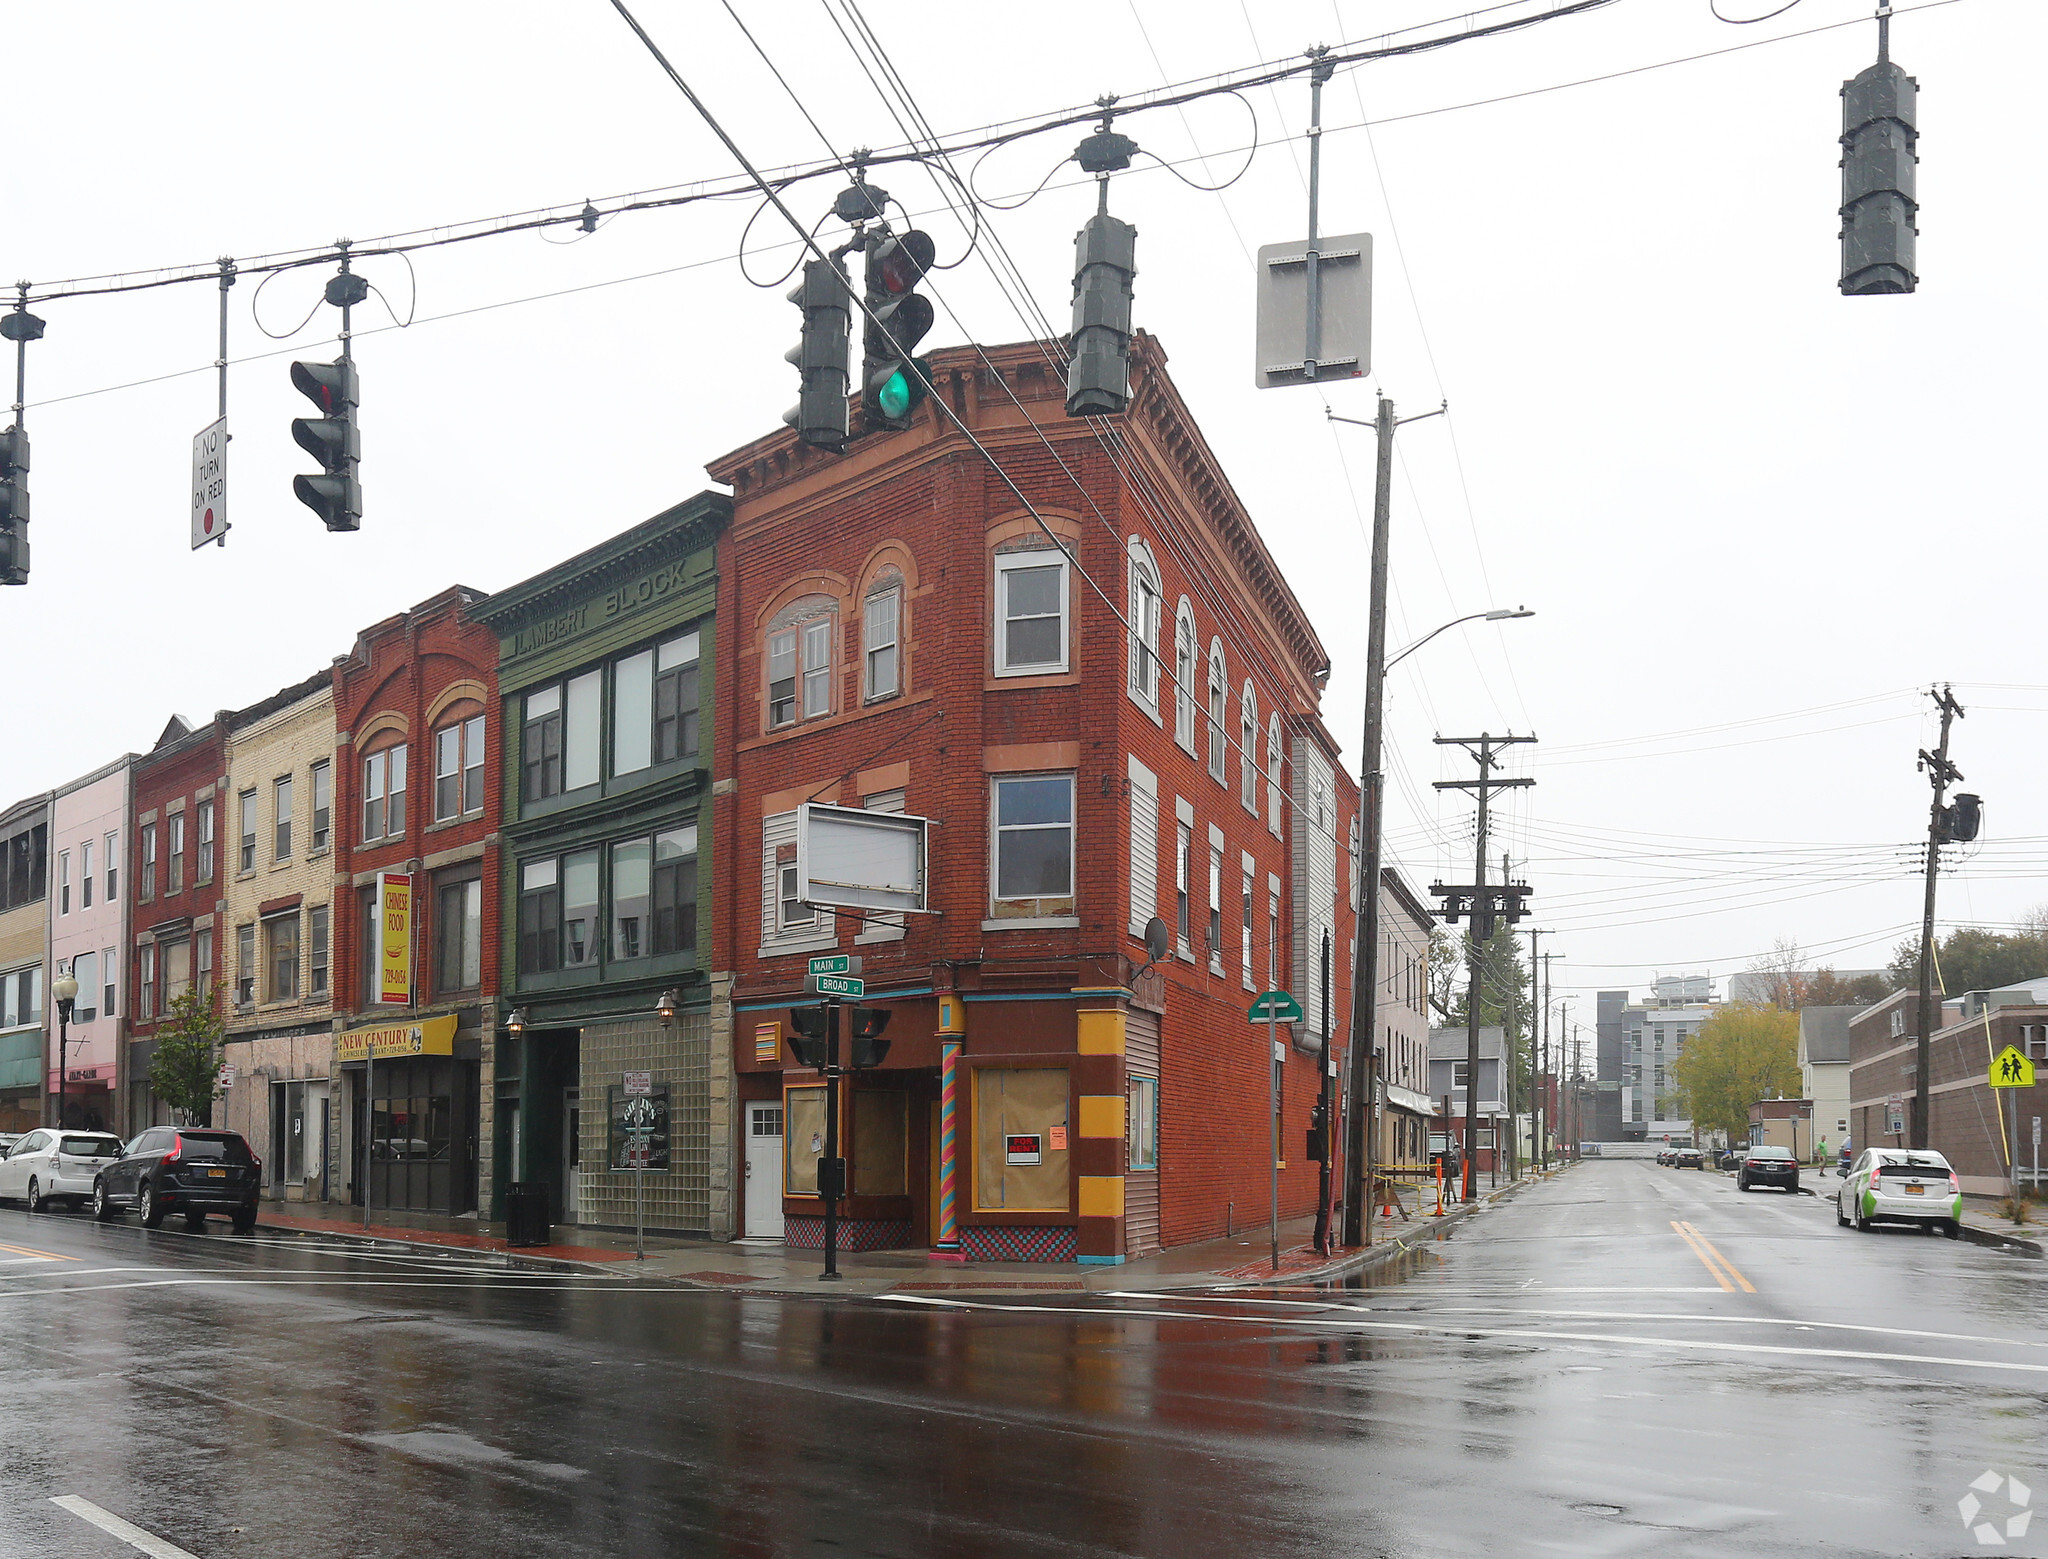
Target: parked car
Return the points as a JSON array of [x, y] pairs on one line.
[[1686, 1158], [55, 1166], [1664, 1156], [9, 1138], [1901, 1185], [1766, 1165], [179, 1169]]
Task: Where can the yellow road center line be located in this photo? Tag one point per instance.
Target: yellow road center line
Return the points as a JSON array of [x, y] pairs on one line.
[[40, 1255], [1712, 1271], [1714, 1251]]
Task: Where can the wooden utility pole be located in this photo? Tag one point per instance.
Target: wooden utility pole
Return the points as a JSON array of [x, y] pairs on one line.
[[1483, 908], [1940, 773]]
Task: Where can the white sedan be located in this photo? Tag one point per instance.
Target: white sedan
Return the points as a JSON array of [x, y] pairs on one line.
[[49, 1165], [1901, 1185]]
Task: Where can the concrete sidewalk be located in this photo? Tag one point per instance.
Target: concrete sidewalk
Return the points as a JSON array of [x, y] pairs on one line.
[[773, 1268]]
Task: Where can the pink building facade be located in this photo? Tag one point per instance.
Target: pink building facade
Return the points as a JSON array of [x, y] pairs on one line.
[[90, 820]]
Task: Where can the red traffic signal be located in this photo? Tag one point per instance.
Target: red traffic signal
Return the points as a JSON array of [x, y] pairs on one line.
[[900, 263]]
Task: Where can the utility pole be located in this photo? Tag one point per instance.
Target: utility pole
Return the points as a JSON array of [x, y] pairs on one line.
[[1365, 962], [1535, 1051], [1940, 773], [1484, 908], [1549, 1086], [1513, 1056]]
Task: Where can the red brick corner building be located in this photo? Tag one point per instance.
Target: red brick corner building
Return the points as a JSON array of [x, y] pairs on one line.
[[899, 633]]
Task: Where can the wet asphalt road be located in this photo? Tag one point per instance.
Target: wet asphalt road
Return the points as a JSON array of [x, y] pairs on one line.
[[1626, 1360]]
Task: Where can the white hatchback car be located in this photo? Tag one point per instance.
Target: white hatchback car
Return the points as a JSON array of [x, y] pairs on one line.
[[51, 1165], [1901, 1185]]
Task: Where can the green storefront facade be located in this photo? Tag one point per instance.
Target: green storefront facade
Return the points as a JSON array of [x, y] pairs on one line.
[[605, 678]]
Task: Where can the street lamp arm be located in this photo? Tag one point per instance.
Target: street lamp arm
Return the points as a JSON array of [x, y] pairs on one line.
[[1496, 615]]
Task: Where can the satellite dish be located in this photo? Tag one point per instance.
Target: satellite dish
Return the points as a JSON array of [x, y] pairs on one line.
[[1158, 938]]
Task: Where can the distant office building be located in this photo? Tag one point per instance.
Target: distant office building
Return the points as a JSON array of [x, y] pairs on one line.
[[1637, 1097]]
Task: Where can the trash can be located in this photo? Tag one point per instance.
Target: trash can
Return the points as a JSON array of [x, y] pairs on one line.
[[526, 1213]]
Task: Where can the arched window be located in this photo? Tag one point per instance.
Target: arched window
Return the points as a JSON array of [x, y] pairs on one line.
[[1248, 749], [1185, 657], [881, 618], [1219, 698], [1143, 612], [1273, 772]]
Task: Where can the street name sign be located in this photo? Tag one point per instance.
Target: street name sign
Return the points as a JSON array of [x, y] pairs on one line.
[[837, 985], [834, 963], [1274, 1007], [2010, 1069]]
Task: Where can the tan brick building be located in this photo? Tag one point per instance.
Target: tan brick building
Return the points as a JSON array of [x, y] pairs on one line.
[[277, 842]]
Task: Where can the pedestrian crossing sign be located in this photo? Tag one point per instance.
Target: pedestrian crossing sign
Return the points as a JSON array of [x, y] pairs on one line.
[[2010, 1069]]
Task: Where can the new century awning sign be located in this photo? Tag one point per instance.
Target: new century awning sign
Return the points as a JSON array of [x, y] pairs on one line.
[[380, 1042]]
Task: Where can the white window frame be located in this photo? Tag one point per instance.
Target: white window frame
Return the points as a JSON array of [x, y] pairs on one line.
[[1186, 654], [1275, 792], [810, 638], [881, 633], [1215, 900], [1006, 564], [1143, 788], [822, 930], [1144, 602], [1250, 904], [1219, 711], [1183, 882], [1248, 754], [996, 829]]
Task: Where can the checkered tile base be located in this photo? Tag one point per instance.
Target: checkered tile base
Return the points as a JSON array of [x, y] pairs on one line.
[[1018, 1244], [804, 1232]]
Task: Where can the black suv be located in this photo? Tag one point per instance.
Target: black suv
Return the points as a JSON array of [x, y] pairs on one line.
[[178, 1169]]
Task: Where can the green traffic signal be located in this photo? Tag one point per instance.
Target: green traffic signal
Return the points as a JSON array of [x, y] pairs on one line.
[[903, 390]]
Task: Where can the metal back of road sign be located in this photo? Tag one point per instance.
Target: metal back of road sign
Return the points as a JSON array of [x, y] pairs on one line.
[[859, 859], [1344, 280], [2011, 1069], [1274, 1007]]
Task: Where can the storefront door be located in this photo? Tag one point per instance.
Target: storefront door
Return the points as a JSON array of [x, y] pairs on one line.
[[572, 1133], [764, 1170]]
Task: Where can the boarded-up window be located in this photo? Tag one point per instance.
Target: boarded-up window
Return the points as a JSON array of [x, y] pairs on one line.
[[881, 1143], [1017, 1112], [803, 1144]]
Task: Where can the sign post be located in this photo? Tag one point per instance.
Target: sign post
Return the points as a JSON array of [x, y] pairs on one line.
[[1273, 1007], [2010, 1069], [640, 1127]]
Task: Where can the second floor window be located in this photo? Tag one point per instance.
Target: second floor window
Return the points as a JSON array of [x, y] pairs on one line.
[[1033, 848], [177, 854], [654, 895], [880, 619], [281, 815], [85, 875], [205, 869], [246, 801], [459, 769], [323, 807], [459, 936], [282, 955], [245, 966], [145, 979], [316, 950], [146, 881], [384, 794], [558, 907]]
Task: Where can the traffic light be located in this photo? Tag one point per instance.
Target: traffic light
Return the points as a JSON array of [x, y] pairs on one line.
[[819, 416], [13, 507], [869, 1049], [1105, 260], [893, 383], [811, 1039], [330, 438], [1879, 176], [1318, 1144]]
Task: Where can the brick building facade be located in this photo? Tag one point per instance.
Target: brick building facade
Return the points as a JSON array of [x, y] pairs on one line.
[[24, 939], [277, 828], [177, 895], [90, 820], [898, 633], [418, 790]]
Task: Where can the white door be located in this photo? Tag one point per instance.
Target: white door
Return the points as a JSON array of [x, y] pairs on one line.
[[764, 1171], [316, 1142]]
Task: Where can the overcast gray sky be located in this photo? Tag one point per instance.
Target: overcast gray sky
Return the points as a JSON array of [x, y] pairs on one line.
[[1755, 518]]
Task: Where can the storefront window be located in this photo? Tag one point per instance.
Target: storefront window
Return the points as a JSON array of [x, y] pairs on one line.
[[1020, 1139], [803, 1144], [881, 1143]]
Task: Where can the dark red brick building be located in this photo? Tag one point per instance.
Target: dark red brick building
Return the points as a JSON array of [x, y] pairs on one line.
[[418, 790], [898, 633], [176, 894]]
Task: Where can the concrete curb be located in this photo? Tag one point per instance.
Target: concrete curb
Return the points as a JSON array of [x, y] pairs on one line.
[[1428, 1231], [1997, 1240]]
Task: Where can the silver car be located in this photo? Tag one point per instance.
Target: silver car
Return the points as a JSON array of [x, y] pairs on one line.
[[1901, 1185], [51, 1165]]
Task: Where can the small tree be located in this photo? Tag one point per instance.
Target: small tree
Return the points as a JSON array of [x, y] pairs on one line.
[[184, 1069], [1740, 1055]]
